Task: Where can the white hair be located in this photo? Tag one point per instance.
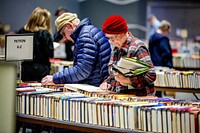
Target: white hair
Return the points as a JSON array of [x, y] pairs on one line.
[[76, 21]]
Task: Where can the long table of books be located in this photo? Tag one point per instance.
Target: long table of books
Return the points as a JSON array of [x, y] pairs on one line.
[[177, 81], [186, 61], [89, 109]]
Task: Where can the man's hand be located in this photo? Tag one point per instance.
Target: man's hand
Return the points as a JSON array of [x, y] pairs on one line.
[[124, 80], [47, 80], [105, 86]]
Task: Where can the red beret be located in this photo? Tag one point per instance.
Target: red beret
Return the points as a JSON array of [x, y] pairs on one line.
[[115, 25]]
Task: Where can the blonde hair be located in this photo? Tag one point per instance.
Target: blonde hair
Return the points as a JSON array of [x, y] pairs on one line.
[[40, 19], [165, 26]]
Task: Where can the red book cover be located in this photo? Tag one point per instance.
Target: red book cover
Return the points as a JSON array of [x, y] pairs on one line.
[[194, 125]]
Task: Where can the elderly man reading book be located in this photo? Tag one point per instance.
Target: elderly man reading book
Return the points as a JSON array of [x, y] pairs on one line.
[[127, 46]]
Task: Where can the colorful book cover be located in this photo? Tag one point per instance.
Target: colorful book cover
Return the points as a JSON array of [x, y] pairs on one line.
[[130, 66]]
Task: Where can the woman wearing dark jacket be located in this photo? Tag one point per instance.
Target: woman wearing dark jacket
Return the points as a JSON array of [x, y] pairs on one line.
[[159, 46], [91, 52], [160, 49], [39, 25]]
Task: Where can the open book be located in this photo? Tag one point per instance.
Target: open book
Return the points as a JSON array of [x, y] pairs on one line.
[[130, 66]]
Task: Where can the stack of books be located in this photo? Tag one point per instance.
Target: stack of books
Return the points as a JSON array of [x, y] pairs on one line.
[[130, 66]]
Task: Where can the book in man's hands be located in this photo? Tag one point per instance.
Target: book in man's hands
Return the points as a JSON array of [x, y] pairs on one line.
[[130, 66]]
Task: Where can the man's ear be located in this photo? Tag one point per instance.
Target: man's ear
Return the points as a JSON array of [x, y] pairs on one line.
[[69, 25]]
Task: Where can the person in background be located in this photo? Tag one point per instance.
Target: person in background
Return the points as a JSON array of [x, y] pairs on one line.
[[4, 29], [91, 52], [126, 45], [59, 38], [60, 11], [154, 24], [39, 25], [159, 47]]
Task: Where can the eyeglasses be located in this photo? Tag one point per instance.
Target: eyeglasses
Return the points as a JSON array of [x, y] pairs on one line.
[[112, 38]]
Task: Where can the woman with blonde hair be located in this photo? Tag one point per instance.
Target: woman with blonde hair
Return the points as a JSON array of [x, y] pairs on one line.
[[39, 25]]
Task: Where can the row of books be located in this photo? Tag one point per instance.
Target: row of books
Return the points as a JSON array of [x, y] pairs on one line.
[[27, 97], [178, 79], [186, 61], [150, 114]]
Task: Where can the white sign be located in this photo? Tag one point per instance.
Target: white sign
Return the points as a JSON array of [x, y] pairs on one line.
[[59, 50], [19, 47]]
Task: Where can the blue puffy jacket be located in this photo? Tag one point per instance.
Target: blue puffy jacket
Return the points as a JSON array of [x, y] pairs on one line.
[[91, 56]]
